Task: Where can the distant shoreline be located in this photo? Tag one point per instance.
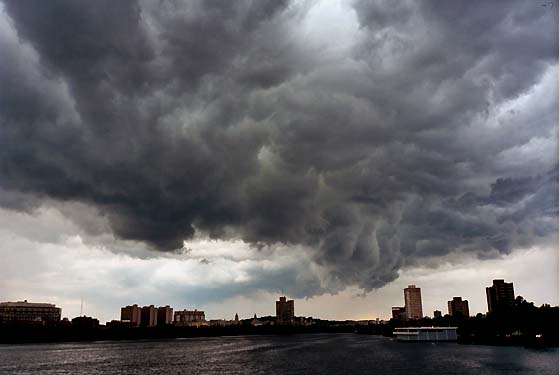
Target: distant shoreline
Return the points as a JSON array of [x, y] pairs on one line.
[[44, 334], [10, 335]]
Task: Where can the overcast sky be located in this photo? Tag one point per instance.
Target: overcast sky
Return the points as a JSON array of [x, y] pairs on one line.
[[215, 154]]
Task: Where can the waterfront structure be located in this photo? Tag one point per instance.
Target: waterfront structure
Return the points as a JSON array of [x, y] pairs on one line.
[[190, 318], [85, 322], [255, 322], [164, 315], [285, 310], [119, 324], [458, 307], [149, 316], [500, 296], [28, 312], [131, 314], [220, 323], [437, 314], [398, 313], [426, 334], [412, 299]]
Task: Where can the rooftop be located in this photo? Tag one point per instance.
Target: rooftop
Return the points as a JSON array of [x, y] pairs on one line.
[[26, 304]]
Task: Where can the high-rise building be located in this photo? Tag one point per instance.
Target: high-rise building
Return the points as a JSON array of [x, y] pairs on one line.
[[412, 298], [458, 307], [164, 315], [285, 310], [28, 312], [437, 314], [399, 313], [131, 314], [500, 296], [149, 316]]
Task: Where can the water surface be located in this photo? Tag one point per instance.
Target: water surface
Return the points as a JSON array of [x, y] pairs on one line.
[[297, 354]]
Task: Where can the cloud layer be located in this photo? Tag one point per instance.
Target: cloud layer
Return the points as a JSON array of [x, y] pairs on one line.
[[389, 136]]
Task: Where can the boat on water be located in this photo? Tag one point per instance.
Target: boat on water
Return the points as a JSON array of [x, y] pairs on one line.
[[426, 334]]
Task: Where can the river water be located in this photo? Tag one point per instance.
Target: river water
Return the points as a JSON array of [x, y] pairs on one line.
[[297, 354]]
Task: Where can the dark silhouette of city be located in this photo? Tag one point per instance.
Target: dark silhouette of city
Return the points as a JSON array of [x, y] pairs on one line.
[[514, 322]]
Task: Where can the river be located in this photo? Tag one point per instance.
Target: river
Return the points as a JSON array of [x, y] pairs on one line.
[[296, 354]]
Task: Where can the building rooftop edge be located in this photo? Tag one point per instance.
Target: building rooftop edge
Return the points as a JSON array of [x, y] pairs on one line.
[[26, 304]]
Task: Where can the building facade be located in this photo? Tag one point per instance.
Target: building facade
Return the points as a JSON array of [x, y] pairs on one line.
[[131, 314], [500, 296], [398, 313], [285, 310], [413, 305], [28, 312], [149, 316], [458, 307], [189, 318], [164, 315]]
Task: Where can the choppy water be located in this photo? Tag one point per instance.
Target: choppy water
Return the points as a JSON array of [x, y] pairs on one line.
[[299, 354]]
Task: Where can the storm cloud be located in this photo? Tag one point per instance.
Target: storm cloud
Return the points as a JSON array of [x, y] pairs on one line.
[[419, 130]]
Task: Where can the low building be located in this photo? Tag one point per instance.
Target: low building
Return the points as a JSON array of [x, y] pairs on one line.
[[85, 322], [131, 315], [28, 312], [220, 323], [255, 322], [193, 318], [302, 321], [119, 324], [398, 313]]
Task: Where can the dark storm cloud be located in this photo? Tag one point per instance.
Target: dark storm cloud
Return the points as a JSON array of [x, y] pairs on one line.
[[223, 117]]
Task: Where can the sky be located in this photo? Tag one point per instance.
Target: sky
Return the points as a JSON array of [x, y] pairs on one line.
[[217, 154]]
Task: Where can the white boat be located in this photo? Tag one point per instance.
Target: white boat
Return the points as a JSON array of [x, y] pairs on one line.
[[426, 334]]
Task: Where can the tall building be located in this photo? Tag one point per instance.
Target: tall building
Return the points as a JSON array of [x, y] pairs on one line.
[[399, 313], [149, 316], [28, 312], [285, 310], [412, 299], [164, 315], [500, 296], [458, 307], [131, 314]]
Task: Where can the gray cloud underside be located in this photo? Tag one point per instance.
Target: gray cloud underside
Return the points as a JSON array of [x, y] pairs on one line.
[[221, 117]]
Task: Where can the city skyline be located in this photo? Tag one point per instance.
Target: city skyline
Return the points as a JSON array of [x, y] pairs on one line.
[[348, 305], [500, 293], [214, 155]]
